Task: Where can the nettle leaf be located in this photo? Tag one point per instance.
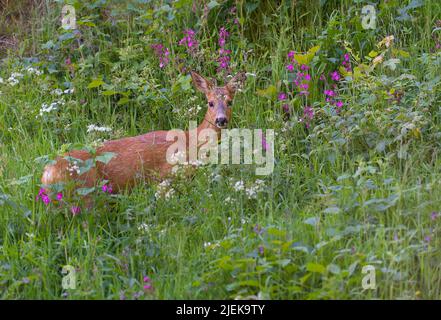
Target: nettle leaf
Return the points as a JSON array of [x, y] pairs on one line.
[[334, 269], [391, 63], [85, 191], [315, 267], [109, 93], [105, 157], [269, 92], [95, 83], [212, 4], [313, 221], [86, 166], [307, 57], [332, 210]]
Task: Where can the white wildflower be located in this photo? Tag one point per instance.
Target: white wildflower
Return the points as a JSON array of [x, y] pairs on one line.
[[35, 71], [143, 227], [165, 190], [13, 81], [92, 127], [239, 186], [57, 92], [73, 168], [45, 108], [16, 75]]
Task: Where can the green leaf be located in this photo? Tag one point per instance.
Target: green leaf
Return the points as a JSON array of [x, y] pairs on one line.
[[391, 63], [334, 269], [315, 267], [269, 92], [212, 4], [123, 100], [95, 83], [373, 54], [313, 221], [85, 191], [105, 157], [332, 210], [109, 93]]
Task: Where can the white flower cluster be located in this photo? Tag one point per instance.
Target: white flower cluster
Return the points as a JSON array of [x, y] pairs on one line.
[[179, 159], [60, 92], [193, 111], [144, 228], [165, 190], [47, 108], [92, 127], [35, 71], [73, 167], [13, 79], [211, 245], [251, 191]]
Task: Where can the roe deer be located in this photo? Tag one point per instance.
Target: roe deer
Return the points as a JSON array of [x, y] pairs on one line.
[[144, 156]]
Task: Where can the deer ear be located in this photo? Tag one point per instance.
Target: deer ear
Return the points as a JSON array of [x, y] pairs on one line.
[[237, 81], [201, 83]]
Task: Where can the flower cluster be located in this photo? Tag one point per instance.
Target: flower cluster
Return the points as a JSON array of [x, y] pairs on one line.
[[92, 128], [14, 78], [301, 81], [148, 286], [331, 94], [252, 191], [308, 115], [189, 42], [35, 71], [43, 195], [60, 92], [48, 108], [224, 54], [346, 62], [162, 53], [107, 188], [165, 190]]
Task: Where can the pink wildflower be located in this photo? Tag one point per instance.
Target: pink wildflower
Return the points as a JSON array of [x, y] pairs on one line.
[[75, 210], [282, 96], [335, 76]]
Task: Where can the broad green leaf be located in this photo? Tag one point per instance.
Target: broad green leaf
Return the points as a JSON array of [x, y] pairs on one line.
[[269, 92], [334, 269], [109, 93], [105, 157], [95, 83], [212, 4], [307, 57], [315, 267], [85, 191]]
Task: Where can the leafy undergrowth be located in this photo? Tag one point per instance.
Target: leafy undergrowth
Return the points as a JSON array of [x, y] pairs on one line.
[[357, 170]]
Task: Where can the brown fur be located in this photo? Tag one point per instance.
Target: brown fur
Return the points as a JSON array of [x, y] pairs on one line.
[[141, 157]]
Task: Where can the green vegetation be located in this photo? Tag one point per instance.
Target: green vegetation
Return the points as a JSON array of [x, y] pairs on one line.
[[357, 176]]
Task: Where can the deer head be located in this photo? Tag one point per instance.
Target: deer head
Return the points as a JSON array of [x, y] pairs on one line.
[[219, 98]]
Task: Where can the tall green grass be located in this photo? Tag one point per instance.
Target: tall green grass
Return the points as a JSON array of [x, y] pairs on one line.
[[326, 211]]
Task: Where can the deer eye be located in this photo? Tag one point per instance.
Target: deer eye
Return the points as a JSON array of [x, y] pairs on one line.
[[211, 104], [229, 103]]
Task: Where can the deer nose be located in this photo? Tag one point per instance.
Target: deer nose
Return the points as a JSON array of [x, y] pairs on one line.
[[221, 122]]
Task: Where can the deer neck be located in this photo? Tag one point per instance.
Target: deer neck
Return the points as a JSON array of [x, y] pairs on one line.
[[206, 124]]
